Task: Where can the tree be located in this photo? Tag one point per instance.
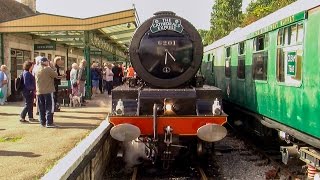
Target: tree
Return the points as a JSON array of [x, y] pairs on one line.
[[204, 33], [226, 16], [261, 8]]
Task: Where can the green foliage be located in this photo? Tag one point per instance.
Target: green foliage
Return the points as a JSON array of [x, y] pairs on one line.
[[261, 8], [226, 16], [204, 33]]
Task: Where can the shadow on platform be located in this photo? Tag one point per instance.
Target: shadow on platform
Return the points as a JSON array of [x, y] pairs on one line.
[[9, 114], [17, 153], [76, 117], [84, 112], [61, 125]]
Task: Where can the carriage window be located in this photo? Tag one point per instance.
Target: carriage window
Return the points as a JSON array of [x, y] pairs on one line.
[[241, 48], [259, 68], [293, 34], [289, 55], [212, 63], [260, 57], [260, 43], [241, 61], [280, 40], [280, 65], [300, 33], [241, 67], [228, 62], [286, 36]]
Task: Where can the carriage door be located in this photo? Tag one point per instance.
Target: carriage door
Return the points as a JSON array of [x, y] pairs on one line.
[[241, 74]]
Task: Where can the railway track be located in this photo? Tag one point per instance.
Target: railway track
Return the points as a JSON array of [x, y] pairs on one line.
[[146, 171], [264, 158], [202, 175]]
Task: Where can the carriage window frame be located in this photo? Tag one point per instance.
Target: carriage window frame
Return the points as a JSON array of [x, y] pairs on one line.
[[292, 46], [260, 56], [261, 42], [260, 66], [212, 63], [207, 63], [227, 67], [241, 61]]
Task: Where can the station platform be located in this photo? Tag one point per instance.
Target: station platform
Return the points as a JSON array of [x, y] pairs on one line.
[[28, 151]]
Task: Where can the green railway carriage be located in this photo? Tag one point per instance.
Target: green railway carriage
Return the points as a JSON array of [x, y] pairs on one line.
[[271, 68]]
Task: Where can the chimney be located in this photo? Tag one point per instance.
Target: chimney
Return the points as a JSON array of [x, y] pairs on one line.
[[30, 3]]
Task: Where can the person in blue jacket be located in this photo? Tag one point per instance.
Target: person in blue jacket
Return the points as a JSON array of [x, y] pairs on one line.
[[95, 77], [28, 92]]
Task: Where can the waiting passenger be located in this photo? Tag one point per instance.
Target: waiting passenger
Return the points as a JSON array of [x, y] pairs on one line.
[[130, 72], [95, 76], [45, 89], [109, 78], [82, 76], [3, 84], [74, 79], [35, 69], [28, 91], [57, 62]]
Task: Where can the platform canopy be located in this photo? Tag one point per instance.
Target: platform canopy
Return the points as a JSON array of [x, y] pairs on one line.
[[107, 35]]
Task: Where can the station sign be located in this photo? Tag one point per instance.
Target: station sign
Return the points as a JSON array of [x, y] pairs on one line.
[[44, 47], [163, 24], [95, 52]]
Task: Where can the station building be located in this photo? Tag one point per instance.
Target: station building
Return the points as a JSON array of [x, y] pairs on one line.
[[26, 33]]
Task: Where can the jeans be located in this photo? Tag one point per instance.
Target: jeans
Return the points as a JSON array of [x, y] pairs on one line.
[[46, 108], [28, 107], [4, 89]]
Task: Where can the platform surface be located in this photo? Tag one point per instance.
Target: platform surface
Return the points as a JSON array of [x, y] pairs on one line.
[[28, 151]]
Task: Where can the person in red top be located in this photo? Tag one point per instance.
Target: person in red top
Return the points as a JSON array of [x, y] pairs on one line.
[[130, 72]]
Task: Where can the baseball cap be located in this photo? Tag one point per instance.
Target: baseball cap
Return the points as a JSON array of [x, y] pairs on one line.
[[44, 59]]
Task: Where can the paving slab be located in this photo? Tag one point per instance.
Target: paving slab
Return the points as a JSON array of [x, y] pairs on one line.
[[28, 151]]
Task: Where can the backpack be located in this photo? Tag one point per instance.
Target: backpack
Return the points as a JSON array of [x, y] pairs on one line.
[[19, 83]]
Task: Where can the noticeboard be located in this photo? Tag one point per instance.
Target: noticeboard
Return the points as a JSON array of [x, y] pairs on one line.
[[291, 63]]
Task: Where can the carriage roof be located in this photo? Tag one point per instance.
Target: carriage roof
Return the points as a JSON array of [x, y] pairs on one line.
[[241, 34]]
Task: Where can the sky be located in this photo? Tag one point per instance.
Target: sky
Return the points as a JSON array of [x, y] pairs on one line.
[[196, 11]]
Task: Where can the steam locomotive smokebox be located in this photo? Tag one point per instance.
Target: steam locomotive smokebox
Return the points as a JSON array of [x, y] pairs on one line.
[[166, 51], [183, 100]]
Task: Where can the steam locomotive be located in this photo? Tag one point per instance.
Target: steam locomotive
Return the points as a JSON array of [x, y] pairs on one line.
[[170, 110]]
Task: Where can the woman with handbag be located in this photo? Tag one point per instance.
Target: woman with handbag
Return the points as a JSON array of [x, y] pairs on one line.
[[3, 84], [28, 92]]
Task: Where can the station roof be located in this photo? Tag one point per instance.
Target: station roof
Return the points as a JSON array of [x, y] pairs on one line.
[[11, 9], [109, 33]]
